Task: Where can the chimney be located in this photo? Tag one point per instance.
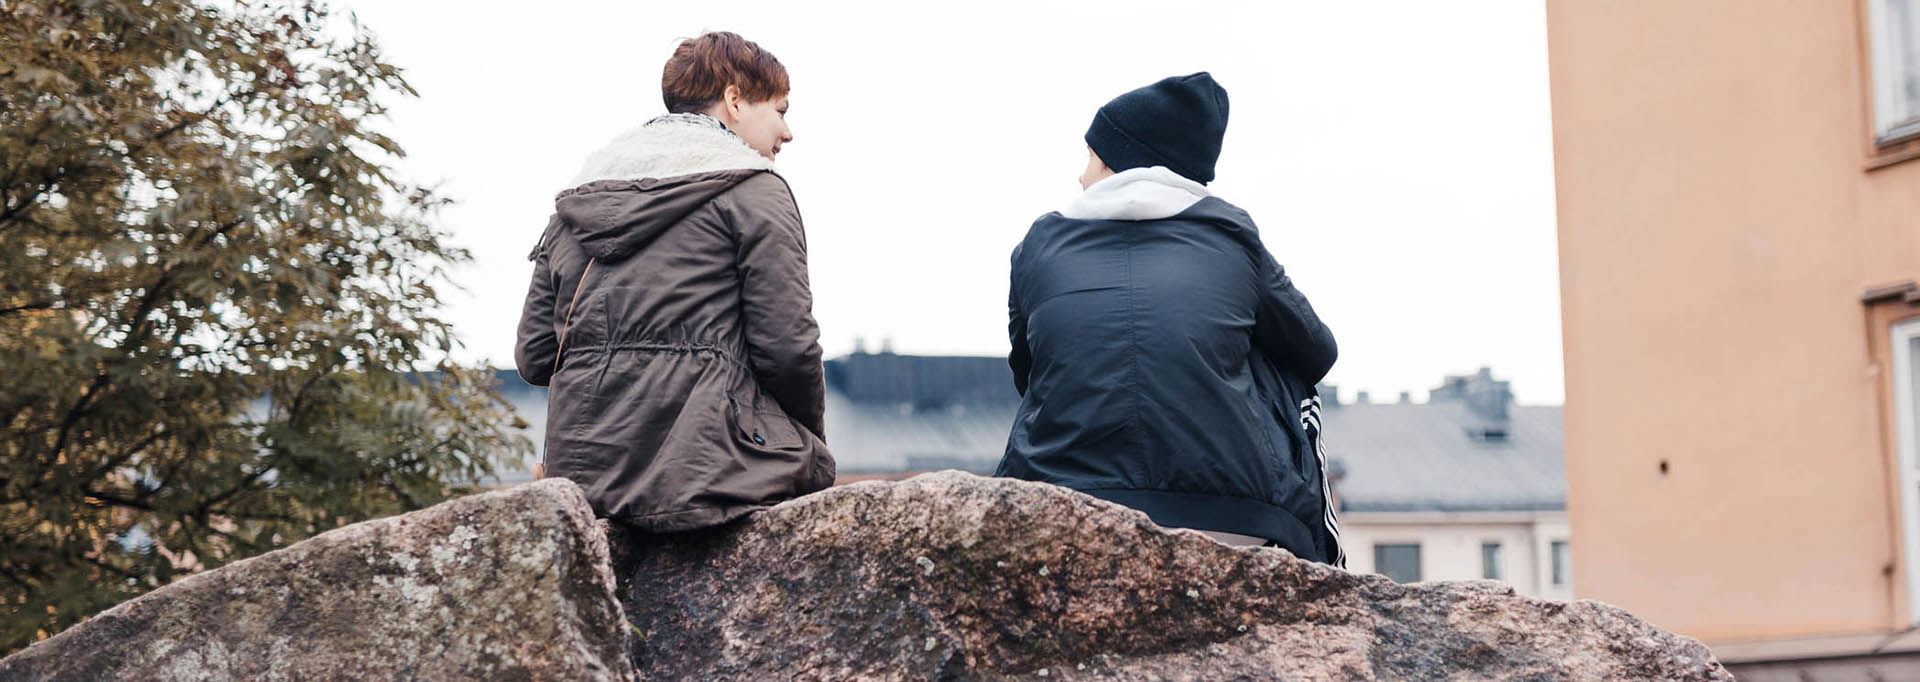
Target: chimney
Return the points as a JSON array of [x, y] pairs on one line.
[[1452, 388], [1489, 398], [1488, 402], [1486, 396], [1329, 394]]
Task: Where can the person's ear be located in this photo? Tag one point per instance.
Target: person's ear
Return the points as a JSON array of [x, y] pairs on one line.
[[733, 103]]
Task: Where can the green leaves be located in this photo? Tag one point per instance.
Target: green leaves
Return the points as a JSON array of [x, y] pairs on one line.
[[217, 305]]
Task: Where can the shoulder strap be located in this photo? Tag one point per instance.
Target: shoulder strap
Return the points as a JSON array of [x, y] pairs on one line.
[[566, 327]]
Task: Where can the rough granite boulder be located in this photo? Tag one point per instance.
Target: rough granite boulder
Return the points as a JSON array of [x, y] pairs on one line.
[[507, 585], [955, 577], [946, 576]]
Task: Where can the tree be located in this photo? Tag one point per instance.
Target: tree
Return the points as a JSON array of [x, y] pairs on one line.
[[218, 313]]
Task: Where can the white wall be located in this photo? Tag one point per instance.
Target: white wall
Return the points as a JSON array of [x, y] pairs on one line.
[[1450, 544]]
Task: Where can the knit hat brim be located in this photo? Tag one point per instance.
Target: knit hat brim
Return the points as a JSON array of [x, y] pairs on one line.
[[1120, 151]]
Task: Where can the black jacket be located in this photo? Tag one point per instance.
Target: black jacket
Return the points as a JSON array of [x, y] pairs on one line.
[[1168, 365]]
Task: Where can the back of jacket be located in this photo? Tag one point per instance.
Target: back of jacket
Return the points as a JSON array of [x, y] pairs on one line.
[[1160, 364], [670, 316]]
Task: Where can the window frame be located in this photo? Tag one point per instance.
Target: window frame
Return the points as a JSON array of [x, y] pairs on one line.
[[1419, 559], [1493, 565], [1560, 562], [1886, 143], [1900, 340]]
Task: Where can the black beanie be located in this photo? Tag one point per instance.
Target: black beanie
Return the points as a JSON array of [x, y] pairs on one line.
[[1177, 123]]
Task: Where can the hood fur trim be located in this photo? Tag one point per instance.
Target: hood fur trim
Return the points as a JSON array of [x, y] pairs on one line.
[[668, 148]]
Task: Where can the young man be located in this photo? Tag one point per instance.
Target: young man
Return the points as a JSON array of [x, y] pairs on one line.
[[1165, 361]]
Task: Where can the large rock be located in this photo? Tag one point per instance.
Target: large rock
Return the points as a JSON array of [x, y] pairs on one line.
[[955, 577], [506, 585]]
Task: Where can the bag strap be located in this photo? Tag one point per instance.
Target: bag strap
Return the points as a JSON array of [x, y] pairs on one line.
[[566, 327]]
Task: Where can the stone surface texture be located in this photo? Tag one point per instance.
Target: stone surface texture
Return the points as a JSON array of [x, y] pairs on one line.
[[951, 576], [507, 585]]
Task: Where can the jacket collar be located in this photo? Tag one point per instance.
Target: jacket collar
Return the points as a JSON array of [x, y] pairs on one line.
[[1136, 194], [670, 146], [690, 118]]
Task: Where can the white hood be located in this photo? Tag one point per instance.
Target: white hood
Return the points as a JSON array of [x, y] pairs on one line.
[[1136, 194], [670, 146]]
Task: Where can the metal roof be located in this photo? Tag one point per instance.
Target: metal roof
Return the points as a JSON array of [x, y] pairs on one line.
[[888, 412], [1436, 456]]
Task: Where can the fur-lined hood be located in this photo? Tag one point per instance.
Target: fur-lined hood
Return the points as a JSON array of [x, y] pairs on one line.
[[648, 179], [669, 146]]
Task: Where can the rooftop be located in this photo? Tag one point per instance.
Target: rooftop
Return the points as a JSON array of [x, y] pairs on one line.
[[1468, 448]]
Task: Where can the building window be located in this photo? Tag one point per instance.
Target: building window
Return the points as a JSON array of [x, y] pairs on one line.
[[1490, 561], [1906, 401], [1894, 27], [1401, 562], [1562, 564]]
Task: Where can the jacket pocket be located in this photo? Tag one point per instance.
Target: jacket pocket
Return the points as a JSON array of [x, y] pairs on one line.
[[575, 406], [766, 429]]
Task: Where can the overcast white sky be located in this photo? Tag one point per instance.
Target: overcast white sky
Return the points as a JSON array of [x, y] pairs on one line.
[[1397, 156]]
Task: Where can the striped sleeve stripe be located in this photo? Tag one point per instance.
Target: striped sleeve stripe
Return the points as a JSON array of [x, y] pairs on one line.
[[1310, 421]]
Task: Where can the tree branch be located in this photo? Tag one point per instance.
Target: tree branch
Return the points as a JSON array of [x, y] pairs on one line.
[[117, 500], [119, 459], [134, 336], [206, 507], [37, 305]]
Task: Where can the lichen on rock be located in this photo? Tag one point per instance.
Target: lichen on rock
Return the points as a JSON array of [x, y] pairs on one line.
[[512, 584]]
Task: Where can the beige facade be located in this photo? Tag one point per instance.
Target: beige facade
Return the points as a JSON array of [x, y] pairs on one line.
[[1734, 250], [1453, 546]]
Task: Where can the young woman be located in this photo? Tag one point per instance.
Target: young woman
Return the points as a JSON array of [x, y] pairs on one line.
[[670, 312]]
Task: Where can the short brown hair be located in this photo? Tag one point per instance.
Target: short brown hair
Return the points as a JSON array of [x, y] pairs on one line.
[[698, 73]]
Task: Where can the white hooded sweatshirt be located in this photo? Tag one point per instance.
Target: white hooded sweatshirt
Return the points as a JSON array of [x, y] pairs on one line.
[[1136, 194]]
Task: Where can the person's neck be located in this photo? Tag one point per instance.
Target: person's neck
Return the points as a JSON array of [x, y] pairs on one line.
[[1088, 182], [717, 117], [696, 118]]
